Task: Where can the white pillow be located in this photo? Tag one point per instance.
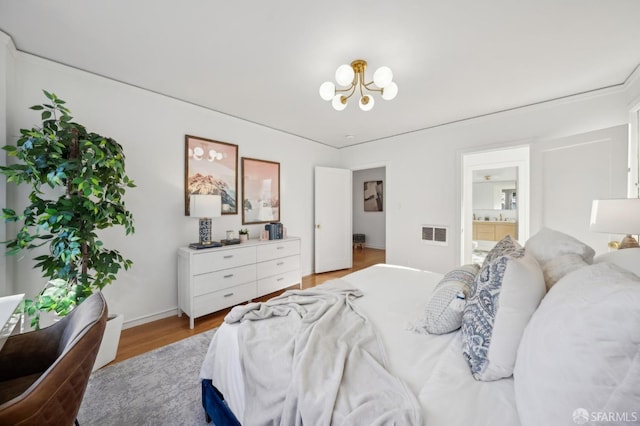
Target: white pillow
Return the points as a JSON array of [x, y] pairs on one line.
[[561, 249], [560, 266], [580, 353], [504, 295], [443, 312], [548, 244], [628, 259]]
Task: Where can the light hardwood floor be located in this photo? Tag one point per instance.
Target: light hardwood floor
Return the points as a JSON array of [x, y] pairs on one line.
[[137, 340]]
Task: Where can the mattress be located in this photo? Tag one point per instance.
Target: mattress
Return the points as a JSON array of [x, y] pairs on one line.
[[431, 365]]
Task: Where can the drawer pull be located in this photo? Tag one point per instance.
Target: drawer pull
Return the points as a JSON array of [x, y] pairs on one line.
[[280, 263], [280, 279], [228, 276], [228, 295], [229, 256], [280, 248]]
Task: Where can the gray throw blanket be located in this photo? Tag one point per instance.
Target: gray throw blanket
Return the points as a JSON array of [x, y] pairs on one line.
[[317, 361]]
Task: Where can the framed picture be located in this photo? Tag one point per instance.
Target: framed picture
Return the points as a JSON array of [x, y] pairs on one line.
[[373, 196], [260, 191], [211, 167]]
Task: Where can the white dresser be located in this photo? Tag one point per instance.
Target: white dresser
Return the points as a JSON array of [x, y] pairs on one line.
[[213, 279]]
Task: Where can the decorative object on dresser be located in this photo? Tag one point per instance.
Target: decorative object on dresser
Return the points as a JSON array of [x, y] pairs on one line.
[[617, 216], [204, 207], [213, 279], [244, 235], [211, 167], [260, 191]]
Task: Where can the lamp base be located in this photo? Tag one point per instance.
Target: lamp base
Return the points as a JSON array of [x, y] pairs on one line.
[[628, 242]]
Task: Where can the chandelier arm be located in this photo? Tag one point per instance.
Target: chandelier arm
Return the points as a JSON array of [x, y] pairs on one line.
[[372, 89], [351, 89]]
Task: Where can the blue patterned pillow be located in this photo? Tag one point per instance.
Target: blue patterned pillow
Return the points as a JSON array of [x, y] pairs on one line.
[[443, 312], [505, 246], [504, 295]]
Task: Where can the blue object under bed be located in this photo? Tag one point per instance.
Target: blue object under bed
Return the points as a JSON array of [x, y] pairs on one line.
[[215, 407]]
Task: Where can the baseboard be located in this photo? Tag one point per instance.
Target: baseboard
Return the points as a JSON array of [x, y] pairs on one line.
[[149, 318]]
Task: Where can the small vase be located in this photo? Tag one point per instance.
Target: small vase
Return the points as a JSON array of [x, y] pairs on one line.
[[244, 238]]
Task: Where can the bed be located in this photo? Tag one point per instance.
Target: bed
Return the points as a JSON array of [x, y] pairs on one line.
[[562, 346]]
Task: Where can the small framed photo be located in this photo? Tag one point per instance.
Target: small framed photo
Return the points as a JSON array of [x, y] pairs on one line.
[[211, 167], [373, 196], [260, 191]]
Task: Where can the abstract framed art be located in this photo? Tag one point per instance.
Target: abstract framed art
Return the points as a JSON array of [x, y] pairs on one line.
[[373, 196], [260, 191], [211, 167]]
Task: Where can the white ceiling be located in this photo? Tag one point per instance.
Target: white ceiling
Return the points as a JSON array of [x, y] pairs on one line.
[[263, 61]]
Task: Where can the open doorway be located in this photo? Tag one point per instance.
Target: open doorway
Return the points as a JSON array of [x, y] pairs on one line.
[[369, 209], [495, 200]]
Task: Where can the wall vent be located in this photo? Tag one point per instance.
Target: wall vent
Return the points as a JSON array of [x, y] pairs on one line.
[[435, 235]]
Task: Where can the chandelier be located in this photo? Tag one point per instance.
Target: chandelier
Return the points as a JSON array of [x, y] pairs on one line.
[[352, 78]]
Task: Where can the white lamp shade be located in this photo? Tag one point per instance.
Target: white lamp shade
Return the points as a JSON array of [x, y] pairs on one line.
[[390, 91], [616, 216], [344, 75], [337, 103], [369, 105], [206, 206], [383, 77], [327, 90]]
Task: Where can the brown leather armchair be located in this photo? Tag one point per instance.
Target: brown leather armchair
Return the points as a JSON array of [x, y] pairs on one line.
[[44, 373]]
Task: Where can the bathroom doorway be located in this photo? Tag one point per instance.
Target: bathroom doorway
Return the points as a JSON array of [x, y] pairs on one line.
[[495, 200]]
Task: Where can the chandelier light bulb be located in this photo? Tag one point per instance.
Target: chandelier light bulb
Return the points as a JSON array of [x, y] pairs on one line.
[[383, 77], [339, 102], [366, 103], [344, 75], [327, 90], [390, 91]]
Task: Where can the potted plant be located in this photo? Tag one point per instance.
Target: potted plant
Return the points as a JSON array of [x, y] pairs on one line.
[[86, 180], [244, 235]]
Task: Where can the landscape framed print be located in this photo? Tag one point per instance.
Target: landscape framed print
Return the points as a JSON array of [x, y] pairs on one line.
[[211, 167], [260, 191]]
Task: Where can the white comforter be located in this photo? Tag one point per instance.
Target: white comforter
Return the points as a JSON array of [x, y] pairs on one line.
[[317, 361], [432, 366]]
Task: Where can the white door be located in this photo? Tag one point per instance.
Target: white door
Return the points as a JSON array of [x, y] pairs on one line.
[[333, 219]]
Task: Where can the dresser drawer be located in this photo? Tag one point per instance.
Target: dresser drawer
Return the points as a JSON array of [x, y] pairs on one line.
[[212, 302], [280, 249], [278, 266], [223, 259], [277, 282], [213, 281]]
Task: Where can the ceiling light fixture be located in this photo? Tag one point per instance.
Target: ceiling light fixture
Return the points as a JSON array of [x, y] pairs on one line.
[[352, 76]]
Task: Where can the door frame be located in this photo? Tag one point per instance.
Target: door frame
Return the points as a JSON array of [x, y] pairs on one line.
[[515, 156], [387, 191]]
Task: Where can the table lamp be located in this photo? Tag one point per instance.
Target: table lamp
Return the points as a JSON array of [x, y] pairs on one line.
[[205, 207], [617, 216]]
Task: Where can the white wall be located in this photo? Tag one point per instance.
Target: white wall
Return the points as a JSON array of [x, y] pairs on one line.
[[151, 129], [572, 172], [372, 224], [423, 172], [6, 65]]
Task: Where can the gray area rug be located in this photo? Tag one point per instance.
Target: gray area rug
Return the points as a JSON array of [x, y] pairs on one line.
[[161, 387]]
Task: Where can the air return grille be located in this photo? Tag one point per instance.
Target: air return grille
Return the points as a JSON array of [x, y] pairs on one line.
[[435, 235]]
